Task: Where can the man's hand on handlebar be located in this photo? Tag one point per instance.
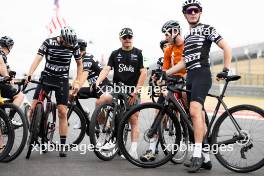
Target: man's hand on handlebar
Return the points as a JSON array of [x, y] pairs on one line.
[[75, 87]]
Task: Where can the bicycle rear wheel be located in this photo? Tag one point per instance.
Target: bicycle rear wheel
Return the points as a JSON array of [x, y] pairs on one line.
[[241, 153], [34, 128], [7, 135], [147, 113], [102, 132], [19, 122]]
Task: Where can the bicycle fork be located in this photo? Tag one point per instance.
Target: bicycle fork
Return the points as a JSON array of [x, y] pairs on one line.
[[155, 125]]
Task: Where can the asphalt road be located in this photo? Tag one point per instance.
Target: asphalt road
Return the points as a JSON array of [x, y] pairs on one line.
[[88, 164]]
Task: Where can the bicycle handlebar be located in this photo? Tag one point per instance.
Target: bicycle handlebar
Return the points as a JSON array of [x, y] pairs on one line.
[[44, 84]]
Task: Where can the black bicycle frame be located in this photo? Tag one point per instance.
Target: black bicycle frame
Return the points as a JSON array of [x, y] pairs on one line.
[[116, 105], [78, 105], [187, 120]]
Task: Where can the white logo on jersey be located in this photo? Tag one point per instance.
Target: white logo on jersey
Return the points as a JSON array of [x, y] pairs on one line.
[[124, 68], [133, 57], [119, 55], [192, 57]]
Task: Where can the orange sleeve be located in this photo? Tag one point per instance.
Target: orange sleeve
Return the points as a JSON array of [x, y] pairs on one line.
[[167, 58]]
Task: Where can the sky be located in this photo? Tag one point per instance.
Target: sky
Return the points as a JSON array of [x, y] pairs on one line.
[[239, 22]]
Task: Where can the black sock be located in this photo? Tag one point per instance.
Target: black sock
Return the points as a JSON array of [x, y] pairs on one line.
[[63, 142]]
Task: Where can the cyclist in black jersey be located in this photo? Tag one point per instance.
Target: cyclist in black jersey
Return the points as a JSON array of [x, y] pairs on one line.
[[7, 90], [127, 63], [196, 60], [163, 44], [58, 52], [91, 71]]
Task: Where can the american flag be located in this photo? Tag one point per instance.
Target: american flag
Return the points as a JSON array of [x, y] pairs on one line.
[[57, 21]]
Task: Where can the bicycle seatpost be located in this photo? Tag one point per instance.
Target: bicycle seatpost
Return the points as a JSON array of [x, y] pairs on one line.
[[224, 89]]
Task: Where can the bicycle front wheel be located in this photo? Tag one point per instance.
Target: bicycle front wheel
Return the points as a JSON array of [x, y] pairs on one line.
[[19, 122], [7, 135], [148, 153], [102, 132], [240, 150]]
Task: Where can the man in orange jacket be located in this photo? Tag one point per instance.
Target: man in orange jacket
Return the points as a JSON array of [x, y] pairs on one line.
[[172, 55]]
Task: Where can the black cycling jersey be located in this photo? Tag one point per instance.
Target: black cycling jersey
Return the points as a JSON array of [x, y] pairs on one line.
[[4, 58], [160, 63], [92, 67], [197, 46], [58, 57], [126, 65], [7, 90]]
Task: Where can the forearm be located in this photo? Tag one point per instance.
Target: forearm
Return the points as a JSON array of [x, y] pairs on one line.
[[227, 52], [227, 57], [79, 70], [141, 79], [34, 65], [3, 69], [83, 78], [176, 68], [103, 74]]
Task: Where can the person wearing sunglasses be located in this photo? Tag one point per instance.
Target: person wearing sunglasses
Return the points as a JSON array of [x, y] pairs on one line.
[[196, 60], [127, 63]]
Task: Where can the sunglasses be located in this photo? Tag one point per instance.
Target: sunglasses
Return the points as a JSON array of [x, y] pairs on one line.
[[127, 37], [191, 10]]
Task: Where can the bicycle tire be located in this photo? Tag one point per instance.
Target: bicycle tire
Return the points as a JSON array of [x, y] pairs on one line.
[[82, 120], [93, 131], [6, 128], [121, 142], [177, 158], [34, 128], [14, 153], [216, 133]]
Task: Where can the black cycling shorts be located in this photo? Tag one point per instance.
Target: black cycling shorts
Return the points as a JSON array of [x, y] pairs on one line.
[[8, 91], [199, 81], [87, 92], [61, 94]]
